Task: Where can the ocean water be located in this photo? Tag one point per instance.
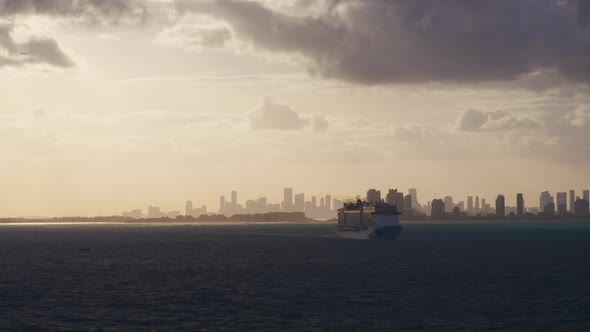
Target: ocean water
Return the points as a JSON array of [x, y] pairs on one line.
[[472, 277]]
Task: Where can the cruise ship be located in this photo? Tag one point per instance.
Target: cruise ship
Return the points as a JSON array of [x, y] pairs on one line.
[[363, 220]]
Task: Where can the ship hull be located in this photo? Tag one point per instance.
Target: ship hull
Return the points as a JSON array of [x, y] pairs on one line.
[[385, 232]]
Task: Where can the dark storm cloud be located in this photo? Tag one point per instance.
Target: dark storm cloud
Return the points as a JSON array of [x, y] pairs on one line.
[[96, 11], [400, 41]]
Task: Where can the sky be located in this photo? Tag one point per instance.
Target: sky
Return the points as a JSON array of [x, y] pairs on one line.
[[119, 104]]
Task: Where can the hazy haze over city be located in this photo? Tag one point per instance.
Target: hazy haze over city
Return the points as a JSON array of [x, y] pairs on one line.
[[109, 105]]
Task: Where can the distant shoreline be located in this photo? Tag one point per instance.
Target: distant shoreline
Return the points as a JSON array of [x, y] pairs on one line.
[[183, 221]]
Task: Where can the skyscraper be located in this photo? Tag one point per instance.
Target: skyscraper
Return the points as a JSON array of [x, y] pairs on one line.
[[461, 206], [234, 199], [438, 208], [221, 204], [561, 199], [448, 203], [572, 200], [549, 209], [500, 206], [299, 205], [470, 204], [519, 204], [408, 202], [476, 204], [586, 195], [373, 196], [414, 193], [154, 212], [399, 202], [545, 199], [287, 199], [328, 202], [581, 208], [188, 208], [390, 197]]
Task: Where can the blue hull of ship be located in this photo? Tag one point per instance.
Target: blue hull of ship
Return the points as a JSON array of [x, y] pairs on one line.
[[389, 232]]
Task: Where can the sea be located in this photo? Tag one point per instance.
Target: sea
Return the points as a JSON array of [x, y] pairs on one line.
[[439, 276]]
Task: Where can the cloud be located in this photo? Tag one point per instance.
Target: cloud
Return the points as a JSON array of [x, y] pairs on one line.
[[47, 50], [414, 132], [90, 11], [195, 36], [398, 41], [579, 117], [33, 51], [319, 122], [271, 114], [474, 120]]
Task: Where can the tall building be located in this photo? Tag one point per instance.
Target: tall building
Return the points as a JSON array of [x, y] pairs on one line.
[[519, 204], [188, 208], [414, 193], [287, 199], [581, 208], [408, 202], [373, 196], [470, 204], [500, 206], [572, 200], [438, 208], [234, 199], [299, 205], [314, 202], [461, 206], [545, 199], [221, 204], [399, 201], [328, 202], [549, 209], [586, 195], [476, 204], [561, 200], [154, 212], [448, 204], [390, 197]]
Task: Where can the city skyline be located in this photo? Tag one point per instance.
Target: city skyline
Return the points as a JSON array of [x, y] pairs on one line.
[[112, 104], [325, 207]]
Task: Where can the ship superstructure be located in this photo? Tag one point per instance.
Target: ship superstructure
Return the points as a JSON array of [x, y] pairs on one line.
[[363, 220]]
